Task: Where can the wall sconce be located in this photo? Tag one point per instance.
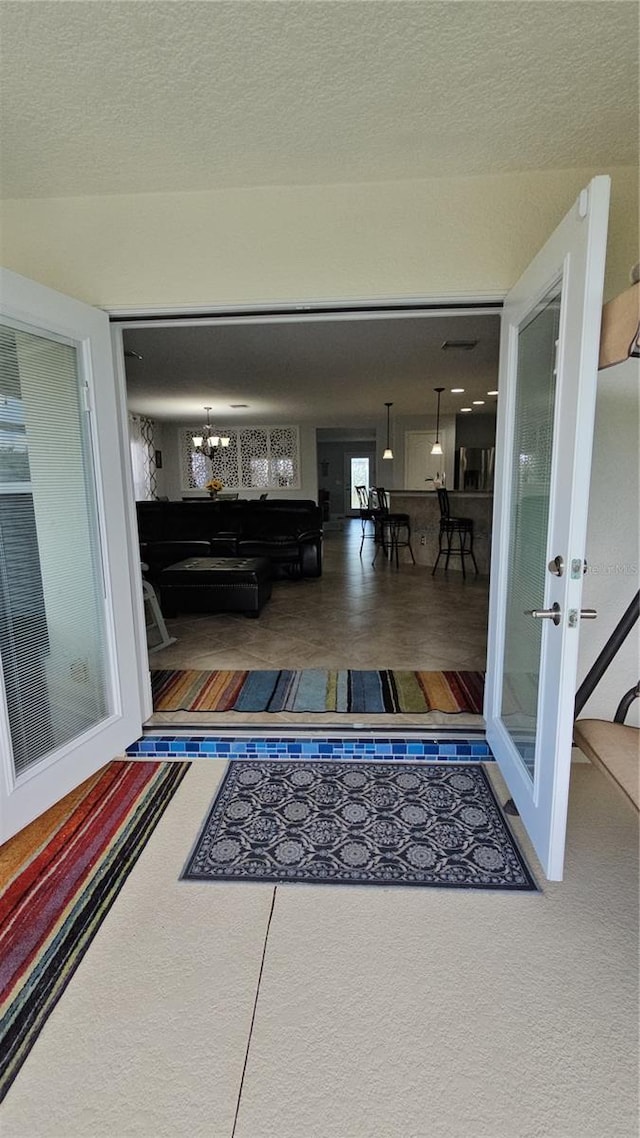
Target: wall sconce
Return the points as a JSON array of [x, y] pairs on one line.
[[437, 448], [388, 452]]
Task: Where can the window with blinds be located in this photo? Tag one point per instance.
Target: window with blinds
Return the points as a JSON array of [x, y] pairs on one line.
[[53, 644]]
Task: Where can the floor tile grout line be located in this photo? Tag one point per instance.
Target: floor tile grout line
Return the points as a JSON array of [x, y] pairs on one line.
[[253, 1014]]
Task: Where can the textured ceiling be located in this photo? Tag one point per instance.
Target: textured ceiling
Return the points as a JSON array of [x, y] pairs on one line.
[[102, 97], [326, 372]]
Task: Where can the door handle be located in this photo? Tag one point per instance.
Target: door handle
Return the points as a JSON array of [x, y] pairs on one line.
[[588, 614], [554, 613]]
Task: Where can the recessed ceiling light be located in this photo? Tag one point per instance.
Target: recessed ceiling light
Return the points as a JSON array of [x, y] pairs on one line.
[[492, 392], [478, 403], [236, 405], [457, 390], [466, 408]]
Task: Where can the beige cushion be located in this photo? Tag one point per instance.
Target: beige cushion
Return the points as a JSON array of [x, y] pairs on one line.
[[615, 749]]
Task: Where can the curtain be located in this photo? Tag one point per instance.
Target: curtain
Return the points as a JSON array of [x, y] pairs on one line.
[[143, 462]]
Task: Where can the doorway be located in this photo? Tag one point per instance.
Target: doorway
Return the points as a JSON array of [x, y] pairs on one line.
[[344, 454], [338, 370], [570, 356]]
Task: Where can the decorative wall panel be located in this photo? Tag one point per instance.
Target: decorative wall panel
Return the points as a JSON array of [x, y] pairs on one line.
[[254, 458], [224, 461], [195, 468], [284, 458], [257, 458]]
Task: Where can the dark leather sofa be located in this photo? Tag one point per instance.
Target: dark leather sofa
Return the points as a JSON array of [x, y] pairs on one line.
[[287, 531]]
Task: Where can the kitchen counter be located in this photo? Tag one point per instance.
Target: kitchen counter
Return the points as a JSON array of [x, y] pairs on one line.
[[452, 494], [424, 512]]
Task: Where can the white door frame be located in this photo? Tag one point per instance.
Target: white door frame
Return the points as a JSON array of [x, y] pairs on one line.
[[131, 519]]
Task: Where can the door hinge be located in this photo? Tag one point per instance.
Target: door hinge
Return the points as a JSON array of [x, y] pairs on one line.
[[86, 398], [583, 202]]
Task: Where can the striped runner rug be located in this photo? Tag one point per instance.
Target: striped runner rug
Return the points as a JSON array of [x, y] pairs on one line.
[[58, 879], [318, 690]]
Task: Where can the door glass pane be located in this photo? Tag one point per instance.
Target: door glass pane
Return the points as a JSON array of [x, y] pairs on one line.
[[530, 490], [53, 645], [359, 477]]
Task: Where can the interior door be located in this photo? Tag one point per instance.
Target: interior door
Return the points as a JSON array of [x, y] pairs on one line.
[[548, 367], [70, 687]]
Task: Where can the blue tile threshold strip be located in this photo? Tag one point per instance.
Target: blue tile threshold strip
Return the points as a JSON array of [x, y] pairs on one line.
[[338, 746]]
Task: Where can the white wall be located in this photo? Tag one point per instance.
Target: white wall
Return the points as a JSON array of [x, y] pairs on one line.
[[441, 236], [613, 543], [172, 476]]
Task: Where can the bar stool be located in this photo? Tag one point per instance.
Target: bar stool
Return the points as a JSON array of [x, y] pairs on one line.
[[395, 530], [449, 529], [366, 513]]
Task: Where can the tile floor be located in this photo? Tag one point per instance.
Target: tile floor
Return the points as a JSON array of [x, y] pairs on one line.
[[354, 616]]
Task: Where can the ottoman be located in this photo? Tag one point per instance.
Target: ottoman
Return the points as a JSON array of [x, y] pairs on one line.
[[216, 584]]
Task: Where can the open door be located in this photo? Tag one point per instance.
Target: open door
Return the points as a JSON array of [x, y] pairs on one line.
[[548, 370], [71, 695]]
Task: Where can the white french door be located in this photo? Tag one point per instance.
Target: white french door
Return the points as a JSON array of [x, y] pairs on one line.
[[71, 692], [548, 368]]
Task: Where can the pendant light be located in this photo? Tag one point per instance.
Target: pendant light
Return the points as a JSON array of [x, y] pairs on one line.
[[437, 448], [208, 440], [388, 452]]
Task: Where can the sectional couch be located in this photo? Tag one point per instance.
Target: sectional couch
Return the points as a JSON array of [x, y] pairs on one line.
[[287, 531]]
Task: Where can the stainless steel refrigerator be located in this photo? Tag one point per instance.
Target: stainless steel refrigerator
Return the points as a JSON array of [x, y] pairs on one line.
[[474, 467]]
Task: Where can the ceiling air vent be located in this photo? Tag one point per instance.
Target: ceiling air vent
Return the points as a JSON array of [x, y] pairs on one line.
[[459, 345]]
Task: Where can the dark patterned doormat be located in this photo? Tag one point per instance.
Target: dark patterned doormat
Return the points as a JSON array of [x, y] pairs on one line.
[[370, 824]]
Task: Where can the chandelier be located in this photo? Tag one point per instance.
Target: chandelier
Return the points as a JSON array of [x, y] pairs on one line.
[[209, 439]]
